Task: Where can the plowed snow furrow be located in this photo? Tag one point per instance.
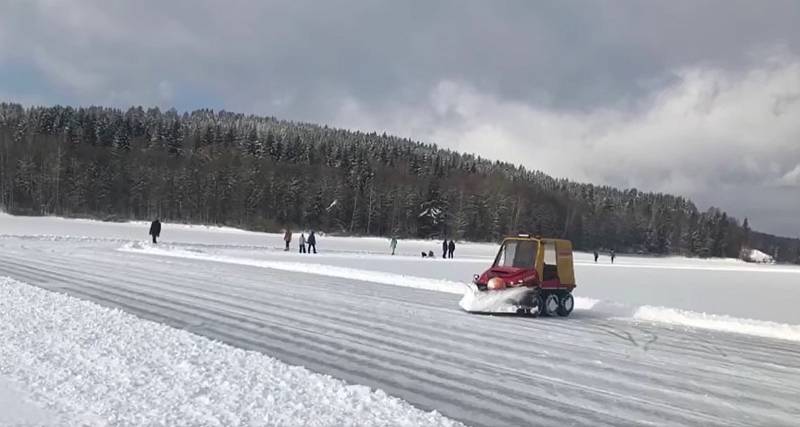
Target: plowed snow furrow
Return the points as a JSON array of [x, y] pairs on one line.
[[416, 345]]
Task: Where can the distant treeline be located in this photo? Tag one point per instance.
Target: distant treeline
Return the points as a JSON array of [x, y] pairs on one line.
[[265, 174]]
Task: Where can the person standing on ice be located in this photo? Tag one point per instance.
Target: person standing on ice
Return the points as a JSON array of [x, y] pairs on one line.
[[312, 242], [451, 247], [287, 237], [444, 248], [596, 255], [613, 255], [302, 243], [393, 244], [155, 230]]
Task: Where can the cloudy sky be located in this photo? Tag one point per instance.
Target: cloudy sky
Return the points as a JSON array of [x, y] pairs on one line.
[[698, 98]]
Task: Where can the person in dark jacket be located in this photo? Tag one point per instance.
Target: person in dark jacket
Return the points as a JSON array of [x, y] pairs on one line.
[[444, 248], [451, 247], [155, 230], [287, 237], [312, 242], [596, 255], [613, 255]]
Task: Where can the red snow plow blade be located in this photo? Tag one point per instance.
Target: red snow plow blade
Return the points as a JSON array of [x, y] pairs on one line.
[[519, 300]]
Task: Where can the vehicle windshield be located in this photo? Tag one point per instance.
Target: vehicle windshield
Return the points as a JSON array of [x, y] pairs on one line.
[[517, 254]]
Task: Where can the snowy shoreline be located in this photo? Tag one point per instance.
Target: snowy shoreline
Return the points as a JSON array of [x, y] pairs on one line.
[[97, 366], [52, 227]]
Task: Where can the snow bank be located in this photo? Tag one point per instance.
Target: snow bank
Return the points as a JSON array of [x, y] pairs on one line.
[[716, 322], [101, 366], [754, 255], [648, 313], [693, 319]]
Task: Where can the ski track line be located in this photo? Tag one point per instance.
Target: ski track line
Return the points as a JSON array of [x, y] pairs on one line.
[[373, 339], [465, 384], [702, 353], [528, 398], [368, 274], [340, 315], [317, 272], [452, 384]]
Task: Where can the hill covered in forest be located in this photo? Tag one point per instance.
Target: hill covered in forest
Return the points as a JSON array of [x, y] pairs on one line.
[[262, 173]]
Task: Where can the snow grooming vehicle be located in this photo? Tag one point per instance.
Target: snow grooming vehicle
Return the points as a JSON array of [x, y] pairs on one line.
[[530, 275]]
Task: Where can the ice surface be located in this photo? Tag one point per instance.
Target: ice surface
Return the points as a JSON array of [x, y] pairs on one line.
[[101, 366], [468, 302]]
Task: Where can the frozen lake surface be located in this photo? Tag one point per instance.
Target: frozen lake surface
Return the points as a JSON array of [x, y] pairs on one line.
[[664, 341]]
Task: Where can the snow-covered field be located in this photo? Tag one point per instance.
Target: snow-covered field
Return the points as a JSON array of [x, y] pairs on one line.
[[94, 366], [652, 340]]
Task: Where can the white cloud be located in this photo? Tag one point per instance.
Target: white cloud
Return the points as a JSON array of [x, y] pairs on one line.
[[621, 107], [791, 178], [711, 131], [64, 73]]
